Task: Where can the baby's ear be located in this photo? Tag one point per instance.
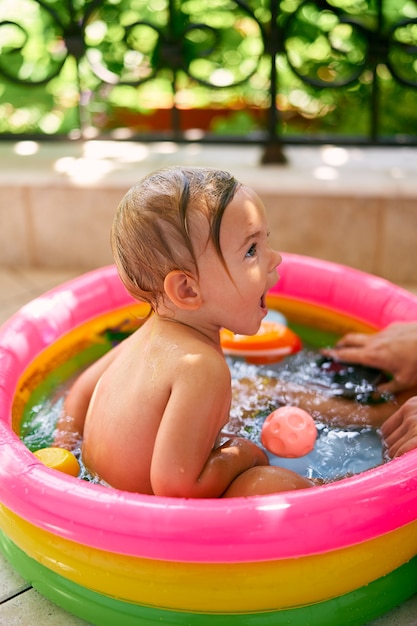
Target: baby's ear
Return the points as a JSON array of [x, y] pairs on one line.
[[183, 290]]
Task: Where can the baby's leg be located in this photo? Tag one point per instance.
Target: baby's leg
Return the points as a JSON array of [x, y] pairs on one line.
[[265, 479]]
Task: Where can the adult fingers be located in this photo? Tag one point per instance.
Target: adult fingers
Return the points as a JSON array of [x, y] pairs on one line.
[[350, 355], [400, 447], [353, 340], [392, 386], [392, 424]]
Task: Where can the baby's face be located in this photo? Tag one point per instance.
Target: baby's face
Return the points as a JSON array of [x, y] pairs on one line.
[[236, 300]]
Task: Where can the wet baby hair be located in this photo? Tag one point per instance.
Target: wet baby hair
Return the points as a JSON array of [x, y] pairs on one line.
[[159, 225]]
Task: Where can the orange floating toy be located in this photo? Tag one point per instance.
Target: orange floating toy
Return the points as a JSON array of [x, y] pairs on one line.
[[271, 343]]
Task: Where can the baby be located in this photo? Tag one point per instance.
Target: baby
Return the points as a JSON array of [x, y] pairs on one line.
[[193, 243]]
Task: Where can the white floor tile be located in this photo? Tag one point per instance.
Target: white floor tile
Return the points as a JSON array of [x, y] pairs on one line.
[[10, 582], [32, 609]]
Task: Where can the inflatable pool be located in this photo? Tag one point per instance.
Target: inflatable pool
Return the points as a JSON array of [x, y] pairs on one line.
[[341, 554]]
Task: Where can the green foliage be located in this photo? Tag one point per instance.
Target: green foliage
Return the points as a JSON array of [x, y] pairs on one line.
[[110, 64]]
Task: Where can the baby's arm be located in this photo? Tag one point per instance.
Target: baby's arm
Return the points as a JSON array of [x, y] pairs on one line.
[[342, 412], [70, 424], [339, 412], [186, 461]]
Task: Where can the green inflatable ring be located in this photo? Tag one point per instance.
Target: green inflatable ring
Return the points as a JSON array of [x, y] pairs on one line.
[[351, 609]]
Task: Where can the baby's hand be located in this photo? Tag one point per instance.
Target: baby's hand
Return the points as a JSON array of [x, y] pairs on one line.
[[400, 430]]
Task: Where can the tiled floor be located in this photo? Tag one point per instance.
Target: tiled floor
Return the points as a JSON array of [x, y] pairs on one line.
[[20, 605]]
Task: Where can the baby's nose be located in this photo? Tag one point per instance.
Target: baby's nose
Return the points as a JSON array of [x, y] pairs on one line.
[[276, 259]]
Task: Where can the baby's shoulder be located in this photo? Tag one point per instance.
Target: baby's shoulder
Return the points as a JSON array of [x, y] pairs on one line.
[[204, 355], [202, 359]]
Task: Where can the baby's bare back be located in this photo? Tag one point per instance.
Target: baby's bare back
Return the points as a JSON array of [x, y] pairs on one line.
[[139, 402]]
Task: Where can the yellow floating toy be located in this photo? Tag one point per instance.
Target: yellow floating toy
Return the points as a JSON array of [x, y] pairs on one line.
[[59, 459]]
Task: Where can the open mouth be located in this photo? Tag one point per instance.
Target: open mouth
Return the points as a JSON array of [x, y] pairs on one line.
[[263, 302]]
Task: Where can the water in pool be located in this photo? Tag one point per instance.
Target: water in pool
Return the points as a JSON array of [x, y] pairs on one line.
[[338, 452]]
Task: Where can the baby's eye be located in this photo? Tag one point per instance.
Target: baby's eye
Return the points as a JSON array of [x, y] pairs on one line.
[[252, 251]]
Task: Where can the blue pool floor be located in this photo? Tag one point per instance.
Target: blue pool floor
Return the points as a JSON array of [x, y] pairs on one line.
[[20, 605]]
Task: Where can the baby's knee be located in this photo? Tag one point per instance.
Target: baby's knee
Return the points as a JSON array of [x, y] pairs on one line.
[[266, 479]]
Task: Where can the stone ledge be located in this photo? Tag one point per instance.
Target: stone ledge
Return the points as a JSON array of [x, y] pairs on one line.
[[320, 170], [356, 206]]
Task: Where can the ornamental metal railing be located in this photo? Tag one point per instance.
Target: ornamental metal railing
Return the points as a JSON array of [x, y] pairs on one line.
[[226, 71]]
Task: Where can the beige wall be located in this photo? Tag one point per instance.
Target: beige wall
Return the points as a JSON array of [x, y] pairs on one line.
[[376, 235], [363, 213]]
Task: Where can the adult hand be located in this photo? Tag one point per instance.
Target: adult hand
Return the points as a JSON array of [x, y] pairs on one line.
[[400, 430], [393, 350]]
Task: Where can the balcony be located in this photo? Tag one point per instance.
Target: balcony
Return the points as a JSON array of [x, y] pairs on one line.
[[356, 206]]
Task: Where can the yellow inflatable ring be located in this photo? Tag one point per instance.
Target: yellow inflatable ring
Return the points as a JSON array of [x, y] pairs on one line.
[[115, 557]]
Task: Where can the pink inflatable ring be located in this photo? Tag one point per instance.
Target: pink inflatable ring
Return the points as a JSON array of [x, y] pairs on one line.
[[340, 554]]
